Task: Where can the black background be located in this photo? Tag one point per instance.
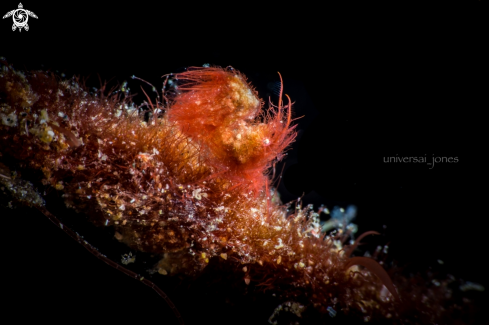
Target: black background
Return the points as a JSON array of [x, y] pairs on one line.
[[370, 83]]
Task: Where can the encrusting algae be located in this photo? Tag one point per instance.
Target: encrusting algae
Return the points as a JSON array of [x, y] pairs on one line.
[[190, 184]]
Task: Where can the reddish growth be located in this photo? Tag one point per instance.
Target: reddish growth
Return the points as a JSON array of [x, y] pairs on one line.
[[222, 112]]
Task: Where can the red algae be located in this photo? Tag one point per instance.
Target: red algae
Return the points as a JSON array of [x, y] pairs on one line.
[[192, 186]]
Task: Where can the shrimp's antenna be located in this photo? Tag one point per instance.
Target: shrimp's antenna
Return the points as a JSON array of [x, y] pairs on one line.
[[289, 115], [281, 90], [149, 100], [152, 87]]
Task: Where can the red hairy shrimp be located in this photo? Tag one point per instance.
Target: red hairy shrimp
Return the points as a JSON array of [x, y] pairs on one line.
[[221, 111]]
